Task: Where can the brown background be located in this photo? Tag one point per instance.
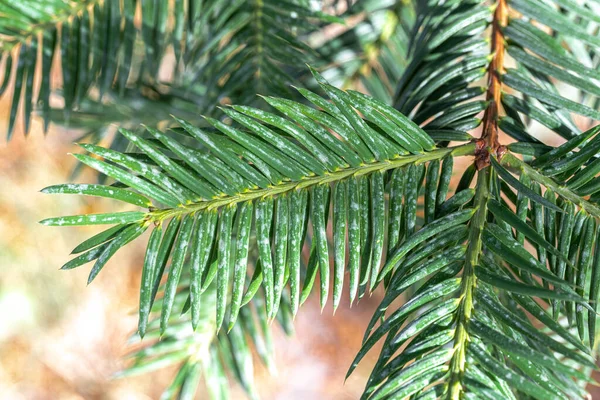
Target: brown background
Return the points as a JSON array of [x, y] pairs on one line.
[[61, 339]]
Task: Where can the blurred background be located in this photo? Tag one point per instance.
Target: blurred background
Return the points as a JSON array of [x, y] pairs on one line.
[[61, 339]]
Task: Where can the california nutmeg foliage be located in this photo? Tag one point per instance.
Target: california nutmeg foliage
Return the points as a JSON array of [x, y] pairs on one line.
[[498, 276]]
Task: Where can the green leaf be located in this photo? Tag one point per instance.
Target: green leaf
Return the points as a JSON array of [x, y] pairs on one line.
[[512, 181], [203, 236], [554, 20], [223, 262], [96, 219], [377, 194], [319, 210], [418, 347], [255, 282], [180, 248], [518, 82], [147, 284], [340, 205], [329, 160], [151, 172], [455, 202], [546, 46], [101, 191], [402, 279], [224, 155], [399, 316], [298, 215], [436, 227], [578, 159], [525, 289], [444, 181], [338, 97], [354, 236], [416, 370], [98, 239], [516, 322], [321, 134], [588, 238], [263, 231], [433, 170], [192, 159], [399, 119], [516, 380], [264, 151], [243, 228], [342, 129], [544, 67], [424, 321], [176, 171], [395, 209], [164, 252], [512, 346], [91, 254], [310, 163], [514, 253], [141, 185], [126, 236], [584, 176]]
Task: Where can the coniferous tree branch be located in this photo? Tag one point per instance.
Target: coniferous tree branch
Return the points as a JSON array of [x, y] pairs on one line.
[[459, 378], [210, 51], [486, 266], [487, 144], [371, 53], [333, 162]]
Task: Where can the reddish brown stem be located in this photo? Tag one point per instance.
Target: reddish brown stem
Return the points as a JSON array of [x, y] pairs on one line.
[[496, 67]]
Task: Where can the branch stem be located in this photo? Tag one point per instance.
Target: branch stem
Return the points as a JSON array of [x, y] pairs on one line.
[[465, 308], [489, 135], [487, 146], [161, 214]]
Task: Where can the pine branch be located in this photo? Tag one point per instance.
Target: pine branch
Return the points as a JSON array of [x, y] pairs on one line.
[[485, 267], [468, 284], [372, 52], [282, 188], [204, 353], [491, 145], [490, 248], [95, 42], [494, 88], [195, 191]]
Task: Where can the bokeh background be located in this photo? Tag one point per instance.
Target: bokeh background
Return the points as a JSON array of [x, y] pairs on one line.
[[61, 339]]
